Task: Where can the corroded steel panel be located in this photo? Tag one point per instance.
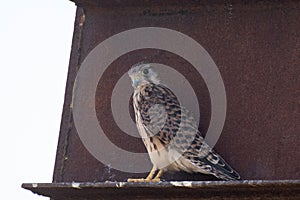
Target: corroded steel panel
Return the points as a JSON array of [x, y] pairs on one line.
[[256, 47], [170, 190]]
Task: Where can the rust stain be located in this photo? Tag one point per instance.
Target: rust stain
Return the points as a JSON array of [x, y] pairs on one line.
[[256, 47]]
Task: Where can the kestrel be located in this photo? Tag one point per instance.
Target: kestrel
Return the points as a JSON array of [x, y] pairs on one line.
[[169, 131]]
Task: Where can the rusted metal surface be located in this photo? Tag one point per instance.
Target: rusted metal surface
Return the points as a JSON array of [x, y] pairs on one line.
[[143, 3], [170, 190], [256, 46]]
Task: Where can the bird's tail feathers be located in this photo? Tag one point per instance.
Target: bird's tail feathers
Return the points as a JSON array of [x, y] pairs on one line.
[[222, 170]]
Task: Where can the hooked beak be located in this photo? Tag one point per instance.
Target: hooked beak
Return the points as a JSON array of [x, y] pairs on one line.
[[135, 81]]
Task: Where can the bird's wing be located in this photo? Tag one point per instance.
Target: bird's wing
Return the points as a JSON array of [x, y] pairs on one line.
[[164, 117], [208, 161], [162, 114]]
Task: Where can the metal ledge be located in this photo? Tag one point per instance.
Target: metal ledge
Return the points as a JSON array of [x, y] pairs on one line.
[[248, 189]]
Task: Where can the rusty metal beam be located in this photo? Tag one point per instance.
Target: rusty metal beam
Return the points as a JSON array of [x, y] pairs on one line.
[[170, 190], [256, 45]]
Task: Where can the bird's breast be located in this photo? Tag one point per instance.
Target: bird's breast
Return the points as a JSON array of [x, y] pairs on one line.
[[157, 151]]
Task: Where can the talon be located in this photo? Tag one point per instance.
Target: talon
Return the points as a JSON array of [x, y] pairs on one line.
[[136, 180], [156, 180], [141, 180], [149, 177]]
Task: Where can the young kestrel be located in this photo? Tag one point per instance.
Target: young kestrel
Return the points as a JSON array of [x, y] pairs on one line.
[[169, 131]]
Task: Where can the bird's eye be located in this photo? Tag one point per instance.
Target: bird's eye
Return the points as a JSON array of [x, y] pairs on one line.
[[145, 71]]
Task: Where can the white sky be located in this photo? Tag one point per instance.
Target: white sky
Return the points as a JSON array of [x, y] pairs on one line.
[[35, 43]]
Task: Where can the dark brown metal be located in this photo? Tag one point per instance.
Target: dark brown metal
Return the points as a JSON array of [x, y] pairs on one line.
[[256, 46], [117, 4], [170, 190]]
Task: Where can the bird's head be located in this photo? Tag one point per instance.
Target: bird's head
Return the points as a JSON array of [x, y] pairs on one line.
[[141, 74]]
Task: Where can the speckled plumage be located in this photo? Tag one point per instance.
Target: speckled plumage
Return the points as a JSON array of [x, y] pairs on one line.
[[169, 131]]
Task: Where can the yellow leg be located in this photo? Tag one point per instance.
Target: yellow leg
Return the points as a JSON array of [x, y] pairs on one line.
[[148, 179], [151, 174], [158, 175]]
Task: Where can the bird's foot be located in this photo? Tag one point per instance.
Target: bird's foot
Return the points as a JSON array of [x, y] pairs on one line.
[[142, 180], [155, 180], [149, 177]]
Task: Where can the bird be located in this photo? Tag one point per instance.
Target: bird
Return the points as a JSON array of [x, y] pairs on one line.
[[169, 131]]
